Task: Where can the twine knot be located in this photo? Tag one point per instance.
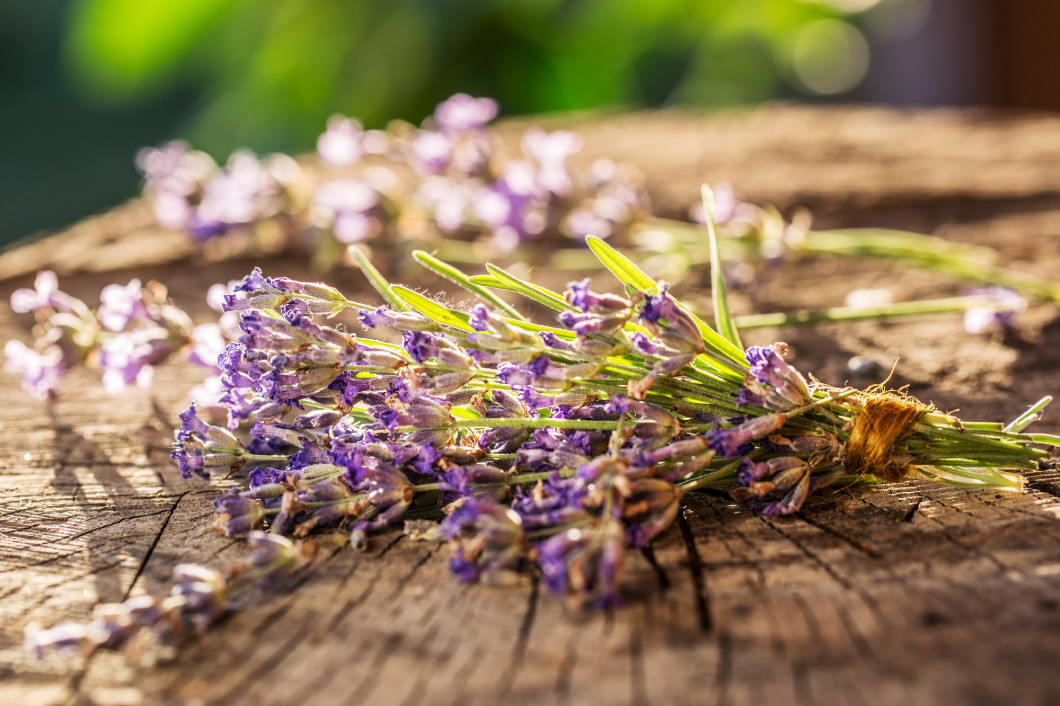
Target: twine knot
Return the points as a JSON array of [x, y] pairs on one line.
[[885, 419]]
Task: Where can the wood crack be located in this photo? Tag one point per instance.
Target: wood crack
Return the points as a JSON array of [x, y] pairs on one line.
[[79, 535], [1045, 487], [151, 549], [637, 677], [859, 544], [911, 512], [809, 554]]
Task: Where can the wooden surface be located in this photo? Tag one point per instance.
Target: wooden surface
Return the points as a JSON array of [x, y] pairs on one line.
[[897, 594]]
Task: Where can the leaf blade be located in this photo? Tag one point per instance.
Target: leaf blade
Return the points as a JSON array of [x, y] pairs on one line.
[[723, 318], [432, 309], [375, 278]]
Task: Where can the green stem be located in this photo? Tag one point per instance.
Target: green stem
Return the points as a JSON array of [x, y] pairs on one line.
[[844, 313], [542, 423]]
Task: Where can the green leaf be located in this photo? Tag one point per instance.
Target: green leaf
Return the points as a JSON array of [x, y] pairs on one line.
[[621, 266], [377, 280], [542, 295], [722, 315], [457, 277], [432, 309]]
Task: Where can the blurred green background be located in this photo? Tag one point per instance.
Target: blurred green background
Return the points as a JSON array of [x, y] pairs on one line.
[[85, 83]]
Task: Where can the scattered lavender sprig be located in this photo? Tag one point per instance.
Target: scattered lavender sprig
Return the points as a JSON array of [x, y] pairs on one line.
[[153, 627], [450, 171], [196, 601], [554, 447], [134, 327]]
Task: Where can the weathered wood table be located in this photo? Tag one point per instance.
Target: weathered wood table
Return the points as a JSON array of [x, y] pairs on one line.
[[895, 594]]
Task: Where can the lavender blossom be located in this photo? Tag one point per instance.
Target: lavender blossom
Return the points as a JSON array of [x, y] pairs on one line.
[[196, 600], [342, 143], [998, 315], [236, 514], [274, 555], [487, 541], [773, 381], [41, 371], [585, 564], [353, 210], [463, 113], [119, 305]]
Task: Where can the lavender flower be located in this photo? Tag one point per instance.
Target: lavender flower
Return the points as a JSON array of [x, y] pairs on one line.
[[44, 295], [487, 541], [998, 315], [352, 209], [235, 514], [40, 370], [585, 564], [274, 555], [773, 381], [342, 142], [119, 305], [350, 430], [463, 113]]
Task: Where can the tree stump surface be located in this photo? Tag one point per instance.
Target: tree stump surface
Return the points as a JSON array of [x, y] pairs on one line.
[[906, 593]]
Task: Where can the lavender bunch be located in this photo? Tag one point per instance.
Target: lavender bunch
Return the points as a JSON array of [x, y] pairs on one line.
[[134, 328], [546, 447]]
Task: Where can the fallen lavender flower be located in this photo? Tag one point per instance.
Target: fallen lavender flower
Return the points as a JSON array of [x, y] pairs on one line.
[[134, 328], [548, 446], [196, 601]]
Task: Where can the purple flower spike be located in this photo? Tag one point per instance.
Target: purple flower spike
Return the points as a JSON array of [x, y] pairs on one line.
[[487, 541], [479, 317], [643, 344], [274, 555], [779, 385], [380, 317], [127, 358], [998, 315], [579, 295], [351, 208], [733, 442], [585, 564], [204, 592]]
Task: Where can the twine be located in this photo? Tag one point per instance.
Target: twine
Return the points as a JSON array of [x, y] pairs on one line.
[[885, 419]]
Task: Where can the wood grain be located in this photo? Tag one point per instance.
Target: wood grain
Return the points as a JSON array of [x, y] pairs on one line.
[[894, 594]]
